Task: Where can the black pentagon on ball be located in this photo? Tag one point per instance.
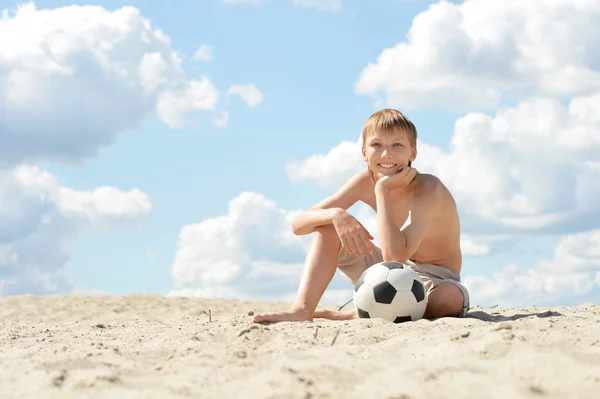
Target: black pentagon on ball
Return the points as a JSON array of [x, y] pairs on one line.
[[418, 290], [402, 319], [393, 265], [363, 314], [384, 292]]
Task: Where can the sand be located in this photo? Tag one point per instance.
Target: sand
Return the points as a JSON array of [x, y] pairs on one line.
[[156, 347]]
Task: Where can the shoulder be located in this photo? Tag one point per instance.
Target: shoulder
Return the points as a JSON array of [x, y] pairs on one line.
[[363, 175], [428, 185], [428, 191], [360, 180], [350, 192]]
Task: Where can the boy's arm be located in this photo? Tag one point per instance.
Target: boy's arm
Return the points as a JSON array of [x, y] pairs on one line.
[[399, 245], [323, 213]]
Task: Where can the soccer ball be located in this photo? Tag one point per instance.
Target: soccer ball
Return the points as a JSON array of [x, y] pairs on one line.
[[390, 291]]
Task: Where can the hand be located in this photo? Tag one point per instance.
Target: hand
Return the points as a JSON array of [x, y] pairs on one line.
[[400, 179], [354, 237]]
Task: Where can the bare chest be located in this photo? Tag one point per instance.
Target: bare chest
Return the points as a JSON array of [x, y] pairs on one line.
[[400, 208]]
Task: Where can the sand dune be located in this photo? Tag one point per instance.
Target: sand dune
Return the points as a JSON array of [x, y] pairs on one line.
[[155, 347]]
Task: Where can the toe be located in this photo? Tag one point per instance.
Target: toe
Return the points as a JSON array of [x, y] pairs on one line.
[[260, 318]]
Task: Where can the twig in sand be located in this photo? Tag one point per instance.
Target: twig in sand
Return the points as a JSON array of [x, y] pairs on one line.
[[208, 314], [335, 336], [342, 307], [316, 331]]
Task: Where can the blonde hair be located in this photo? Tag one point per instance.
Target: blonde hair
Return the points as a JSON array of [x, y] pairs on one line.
[[389, 121]]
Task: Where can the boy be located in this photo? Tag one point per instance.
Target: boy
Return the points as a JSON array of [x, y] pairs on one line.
[[417, 220]]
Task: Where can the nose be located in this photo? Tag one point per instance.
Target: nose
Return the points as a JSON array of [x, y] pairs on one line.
[[386, 153]]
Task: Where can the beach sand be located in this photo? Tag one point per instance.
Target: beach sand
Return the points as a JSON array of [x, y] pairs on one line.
[[155, 347]]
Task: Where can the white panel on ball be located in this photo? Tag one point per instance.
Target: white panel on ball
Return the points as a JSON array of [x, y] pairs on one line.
[[364, 298], [404, 303], [376, 274], [402, 279], [383, 311]]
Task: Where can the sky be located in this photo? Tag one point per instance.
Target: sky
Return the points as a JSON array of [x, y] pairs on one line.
[[162, 148]]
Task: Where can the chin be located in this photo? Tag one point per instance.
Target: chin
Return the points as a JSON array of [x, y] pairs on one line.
[[382, 172], [379, 175]]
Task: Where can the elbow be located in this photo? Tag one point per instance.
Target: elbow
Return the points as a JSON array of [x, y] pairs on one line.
[[395, 254], [297, 227], [391, 256]]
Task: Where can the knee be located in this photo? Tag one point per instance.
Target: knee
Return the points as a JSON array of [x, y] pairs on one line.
[[326, 236], [327, 231], [446, 300]]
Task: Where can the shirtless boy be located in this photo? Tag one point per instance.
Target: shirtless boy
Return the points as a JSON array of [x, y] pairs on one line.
[[417, 220]]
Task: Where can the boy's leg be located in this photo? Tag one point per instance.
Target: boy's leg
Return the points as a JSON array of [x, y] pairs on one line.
[[353, 266], [446, 295], [319, 268]]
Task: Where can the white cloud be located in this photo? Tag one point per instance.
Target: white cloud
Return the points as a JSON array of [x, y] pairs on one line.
[[570, 277], [578, 252], [330, 170], [204, 53], [76, 69], [470, 55], [321, 5], [40, 221], [247, 253], [525, 168], [152, 71], [221, 119], [196, 95], [470, 246], [72, 79], [104, 206], [249, 93]]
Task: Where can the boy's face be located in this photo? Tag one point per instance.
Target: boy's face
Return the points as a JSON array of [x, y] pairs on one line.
[[385, 153]]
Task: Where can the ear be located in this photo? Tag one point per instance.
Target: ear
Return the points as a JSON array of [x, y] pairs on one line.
[[364, 154], [413, 154]]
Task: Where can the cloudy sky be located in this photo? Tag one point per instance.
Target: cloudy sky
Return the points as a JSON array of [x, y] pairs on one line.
[[157, 149]]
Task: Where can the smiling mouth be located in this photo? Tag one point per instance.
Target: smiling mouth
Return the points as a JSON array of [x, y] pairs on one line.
[[387, 165]]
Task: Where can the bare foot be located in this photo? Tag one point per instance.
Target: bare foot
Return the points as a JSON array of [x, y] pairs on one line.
[[288, 315], [335, 314]]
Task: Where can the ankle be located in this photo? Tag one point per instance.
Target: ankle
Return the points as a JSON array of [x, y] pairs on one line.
[[302, 309]]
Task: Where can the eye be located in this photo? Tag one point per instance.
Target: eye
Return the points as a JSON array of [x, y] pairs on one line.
[[398, 145], [375, 144]]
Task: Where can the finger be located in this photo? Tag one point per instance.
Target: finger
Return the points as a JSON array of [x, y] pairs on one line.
[[349, 246], [402, 169], [364, 235], [358, 242], [367, 232], [369, 246], [412, 174], [345, 245]]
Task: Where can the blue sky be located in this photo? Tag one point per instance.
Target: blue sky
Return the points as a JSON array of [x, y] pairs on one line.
[[484, 104]]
